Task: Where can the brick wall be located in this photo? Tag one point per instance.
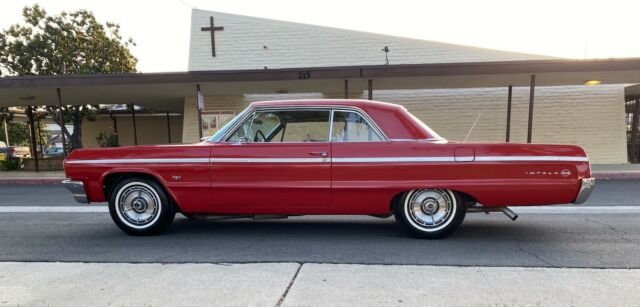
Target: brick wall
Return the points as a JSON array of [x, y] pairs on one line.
[[255, 43]]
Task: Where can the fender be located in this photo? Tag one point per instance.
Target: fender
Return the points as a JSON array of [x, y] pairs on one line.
[[145, 171]]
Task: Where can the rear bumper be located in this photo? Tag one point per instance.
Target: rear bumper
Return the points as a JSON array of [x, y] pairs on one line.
[[586, 187], [77, 189]]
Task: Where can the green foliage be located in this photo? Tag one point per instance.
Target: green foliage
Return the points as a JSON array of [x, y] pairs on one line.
[[107, 139], [5, 115], [67, 43], [11, 163], [18, 134]]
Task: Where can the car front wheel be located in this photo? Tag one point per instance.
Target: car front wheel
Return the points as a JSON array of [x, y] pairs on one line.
[[140, 206], [429, 213]]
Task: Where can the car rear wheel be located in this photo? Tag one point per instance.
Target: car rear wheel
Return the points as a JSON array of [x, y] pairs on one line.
[[429, 213], [140, 207]]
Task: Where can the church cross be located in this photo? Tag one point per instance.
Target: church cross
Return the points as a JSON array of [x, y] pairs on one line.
[[213, 29]]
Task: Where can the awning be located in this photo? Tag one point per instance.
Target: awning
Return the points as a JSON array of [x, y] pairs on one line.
[[166, 91]]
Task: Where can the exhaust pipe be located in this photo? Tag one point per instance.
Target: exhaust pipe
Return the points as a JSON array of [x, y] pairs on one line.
[[481, 209], [510, 214]]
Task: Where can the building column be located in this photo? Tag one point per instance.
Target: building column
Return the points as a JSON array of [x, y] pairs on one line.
[[370, 89], [532, 90], [346, 89], [32, 138], [509, 114], [6, 131], [39, 136], [200, 107], [168, 128], [133, 117], [115, 126], [61, 123], [635, 137]]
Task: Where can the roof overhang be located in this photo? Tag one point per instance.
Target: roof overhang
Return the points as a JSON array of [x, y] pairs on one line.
[[166, 91]]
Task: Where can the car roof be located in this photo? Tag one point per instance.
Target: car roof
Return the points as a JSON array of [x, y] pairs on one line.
[[359, 103]]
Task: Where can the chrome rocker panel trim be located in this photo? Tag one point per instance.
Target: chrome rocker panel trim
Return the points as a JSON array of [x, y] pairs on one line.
[[586, 188], [77, 189]]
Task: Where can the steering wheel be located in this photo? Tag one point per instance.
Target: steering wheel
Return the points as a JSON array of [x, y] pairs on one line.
[[261, 135]]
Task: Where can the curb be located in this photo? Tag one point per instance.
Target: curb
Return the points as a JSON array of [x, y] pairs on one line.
[[616, 175], [47, 181]]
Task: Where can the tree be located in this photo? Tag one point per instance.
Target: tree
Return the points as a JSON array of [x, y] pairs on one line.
[[68, 43], [5, 117], [19, 134]]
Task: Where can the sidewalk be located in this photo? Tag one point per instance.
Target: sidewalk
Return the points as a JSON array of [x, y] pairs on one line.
[[616, 171], [309, 284], [599, 171]]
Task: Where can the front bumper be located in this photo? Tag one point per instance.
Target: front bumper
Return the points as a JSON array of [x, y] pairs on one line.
[[586, 188], [77, 189]]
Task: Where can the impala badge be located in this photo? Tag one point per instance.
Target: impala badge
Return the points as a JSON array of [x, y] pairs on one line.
[[565, 173], [176, 177]]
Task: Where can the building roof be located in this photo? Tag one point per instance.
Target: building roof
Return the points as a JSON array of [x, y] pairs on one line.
[[166, 91], [254, 43]]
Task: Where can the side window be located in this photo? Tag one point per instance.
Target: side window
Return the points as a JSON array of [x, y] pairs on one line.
[[284, 126], [352, 127], [242, 132]]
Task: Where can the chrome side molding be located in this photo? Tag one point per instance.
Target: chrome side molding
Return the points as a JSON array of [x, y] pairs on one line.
[[586, 188], [77, 189]]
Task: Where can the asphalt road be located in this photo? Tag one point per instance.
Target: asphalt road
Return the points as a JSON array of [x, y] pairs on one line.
[[534, 240]]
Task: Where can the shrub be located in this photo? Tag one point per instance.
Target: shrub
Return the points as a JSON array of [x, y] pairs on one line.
[[11, 163]]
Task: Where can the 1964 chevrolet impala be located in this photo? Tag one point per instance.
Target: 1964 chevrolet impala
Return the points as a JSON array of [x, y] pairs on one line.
[[285, 158]]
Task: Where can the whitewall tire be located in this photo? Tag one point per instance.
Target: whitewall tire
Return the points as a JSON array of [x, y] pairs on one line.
[[140, 206], [429, 213]]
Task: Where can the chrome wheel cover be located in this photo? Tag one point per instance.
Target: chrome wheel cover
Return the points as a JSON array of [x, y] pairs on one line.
[[138, 205], [430, 209]]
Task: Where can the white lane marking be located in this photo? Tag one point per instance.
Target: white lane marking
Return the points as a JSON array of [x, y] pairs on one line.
[[519, 210], [576, 209], [53, 209], [336, 160]]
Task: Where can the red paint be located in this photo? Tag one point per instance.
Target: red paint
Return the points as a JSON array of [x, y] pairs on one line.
[[345, 187]]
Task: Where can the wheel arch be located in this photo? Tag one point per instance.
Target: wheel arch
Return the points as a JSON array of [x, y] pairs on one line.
[[111, 178], [466, 198]]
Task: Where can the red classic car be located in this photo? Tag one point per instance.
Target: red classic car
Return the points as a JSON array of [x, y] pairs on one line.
[[286, 158]]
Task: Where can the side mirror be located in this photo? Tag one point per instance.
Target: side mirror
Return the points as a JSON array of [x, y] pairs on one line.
[[243, 140], [204, 138]]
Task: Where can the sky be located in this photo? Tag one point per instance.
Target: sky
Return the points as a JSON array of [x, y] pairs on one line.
[[562, 28]]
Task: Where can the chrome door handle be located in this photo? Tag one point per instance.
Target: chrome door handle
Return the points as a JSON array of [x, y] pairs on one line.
[[319, 153]]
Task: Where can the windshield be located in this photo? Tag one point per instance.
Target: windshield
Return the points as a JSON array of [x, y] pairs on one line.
[[218, 135]]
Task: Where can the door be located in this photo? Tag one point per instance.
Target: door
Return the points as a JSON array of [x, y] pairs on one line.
[[276, 162], [359, 186]]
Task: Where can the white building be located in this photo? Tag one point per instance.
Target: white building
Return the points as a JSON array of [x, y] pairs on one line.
[[590, 116]]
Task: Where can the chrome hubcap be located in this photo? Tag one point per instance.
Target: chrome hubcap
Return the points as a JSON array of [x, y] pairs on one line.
[[430, 208], [138, 205]]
